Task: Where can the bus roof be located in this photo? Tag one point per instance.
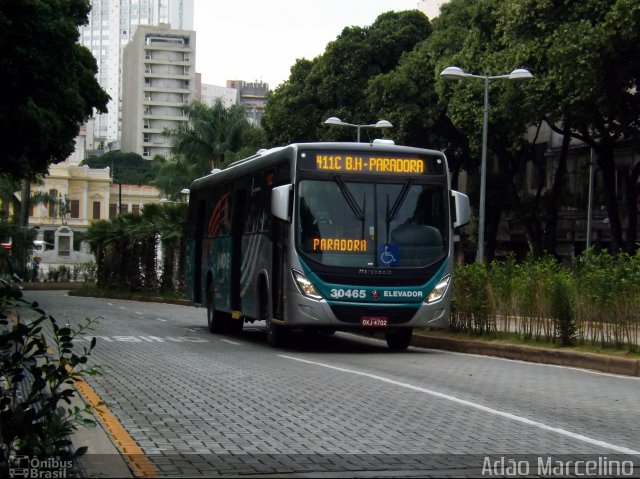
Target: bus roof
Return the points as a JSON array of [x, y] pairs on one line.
[[266, 158]]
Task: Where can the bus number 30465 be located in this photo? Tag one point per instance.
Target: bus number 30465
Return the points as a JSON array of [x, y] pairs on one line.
[[348, 293]]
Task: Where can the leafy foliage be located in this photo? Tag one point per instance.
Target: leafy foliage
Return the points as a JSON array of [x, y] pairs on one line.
[[335, 83], [50, 84], [126, 168], [597, 302], [212, 136], [126, 249], [36, 411]]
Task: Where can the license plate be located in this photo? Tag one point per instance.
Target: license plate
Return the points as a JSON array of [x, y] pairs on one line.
[[374, 321]]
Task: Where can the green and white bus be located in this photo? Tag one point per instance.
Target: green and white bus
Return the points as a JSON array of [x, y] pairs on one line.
[[325, 237]]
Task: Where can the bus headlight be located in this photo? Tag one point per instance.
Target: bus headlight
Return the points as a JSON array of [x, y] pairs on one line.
[[304, 285], [438, 292]]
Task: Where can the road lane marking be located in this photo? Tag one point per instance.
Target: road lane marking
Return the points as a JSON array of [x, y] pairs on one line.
[[160, 319], [142, 339], [495, 412], [231, 342], [139, 463]]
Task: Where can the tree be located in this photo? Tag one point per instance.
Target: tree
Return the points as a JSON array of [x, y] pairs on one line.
[[433, 112], [407, 96], [587, 58], [126, 168], [335, 83], [212, 136], [50, 85]]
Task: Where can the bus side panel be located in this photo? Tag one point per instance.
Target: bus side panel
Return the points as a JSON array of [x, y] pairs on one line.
[[256, 259], [220, 267]]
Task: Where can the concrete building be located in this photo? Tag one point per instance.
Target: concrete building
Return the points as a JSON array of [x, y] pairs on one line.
[[158, 82], [111, 25], [209, 94], [253, 97]]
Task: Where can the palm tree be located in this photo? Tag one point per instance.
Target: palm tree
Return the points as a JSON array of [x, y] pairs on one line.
[[212, 135], [171, 226], [147, 233], [16, 226], [100, 236]]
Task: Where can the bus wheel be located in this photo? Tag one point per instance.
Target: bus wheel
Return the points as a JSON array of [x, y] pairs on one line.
[[215, 319], [400, 339], [235, 325]]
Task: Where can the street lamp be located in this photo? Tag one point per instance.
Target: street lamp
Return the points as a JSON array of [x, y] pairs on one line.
[[455, 73], [338, 122]]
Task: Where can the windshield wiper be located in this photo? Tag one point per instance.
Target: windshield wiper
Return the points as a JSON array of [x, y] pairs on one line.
[[351, 201], [391, 214]]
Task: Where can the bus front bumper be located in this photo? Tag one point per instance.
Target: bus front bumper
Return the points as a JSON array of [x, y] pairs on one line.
[[304, 312]]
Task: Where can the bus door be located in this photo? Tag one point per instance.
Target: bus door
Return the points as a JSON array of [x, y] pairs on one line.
[[279, 238], [240, 193]]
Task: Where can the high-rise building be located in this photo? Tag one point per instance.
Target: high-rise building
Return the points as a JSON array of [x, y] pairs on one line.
[[253, 97], [159, 80], [112, 24]]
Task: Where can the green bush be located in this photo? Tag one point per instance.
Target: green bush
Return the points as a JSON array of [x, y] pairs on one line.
[[471, 307], [597, 301], [38, 367]]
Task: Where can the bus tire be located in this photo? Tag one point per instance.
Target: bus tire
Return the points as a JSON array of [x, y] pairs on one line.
[[215, 319], [235, 325], [400, 339]]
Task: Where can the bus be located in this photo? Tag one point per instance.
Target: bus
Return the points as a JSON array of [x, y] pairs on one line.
[[325, 237]]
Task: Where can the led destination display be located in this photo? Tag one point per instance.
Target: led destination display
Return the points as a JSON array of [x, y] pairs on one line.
[[338, 244], [369, 164], [375, 163]]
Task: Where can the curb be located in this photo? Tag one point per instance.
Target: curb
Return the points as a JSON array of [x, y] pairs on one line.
[[597, 362], [51, 285]]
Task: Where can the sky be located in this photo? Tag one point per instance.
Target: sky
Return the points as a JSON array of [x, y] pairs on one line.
[[261, 39]]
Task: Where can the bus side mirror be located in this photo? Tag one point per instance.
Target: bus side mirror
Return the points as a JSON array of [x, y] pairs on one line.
[[461, 208], [281, 202]]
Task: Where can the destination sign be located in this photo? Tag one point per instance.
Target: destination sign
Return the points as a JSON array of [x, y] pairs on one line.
[[339, 244], [375, 163]]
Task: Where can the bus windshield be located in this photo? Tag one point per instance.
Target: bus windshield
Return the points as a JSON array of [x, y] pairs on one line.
[[366, 224]]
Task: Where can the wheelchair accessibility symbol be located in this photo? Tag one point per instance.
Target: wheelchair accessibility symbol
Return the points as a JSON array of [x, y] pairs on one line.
[[388, 254]]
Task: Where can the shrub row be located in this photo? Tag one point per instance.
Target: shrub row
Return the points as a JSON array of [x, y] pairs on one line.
[[595, 302]]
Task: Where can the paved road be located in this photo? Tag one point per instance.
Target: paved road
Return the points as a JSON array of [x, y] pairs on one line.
[[199, 404]]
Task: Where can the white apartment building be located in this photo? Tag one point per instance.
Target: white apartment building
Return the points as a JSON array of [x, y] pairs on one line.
[[112, 24], [209, 94], [159, 80]]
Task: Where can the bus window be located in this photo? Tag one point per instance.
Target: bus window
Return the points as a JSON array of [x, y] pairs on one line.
[[362, 218]]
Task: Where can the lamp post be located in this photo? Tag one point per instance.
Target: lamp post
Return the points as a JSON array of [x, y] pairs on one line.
[[455, 73], [338, 122]]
